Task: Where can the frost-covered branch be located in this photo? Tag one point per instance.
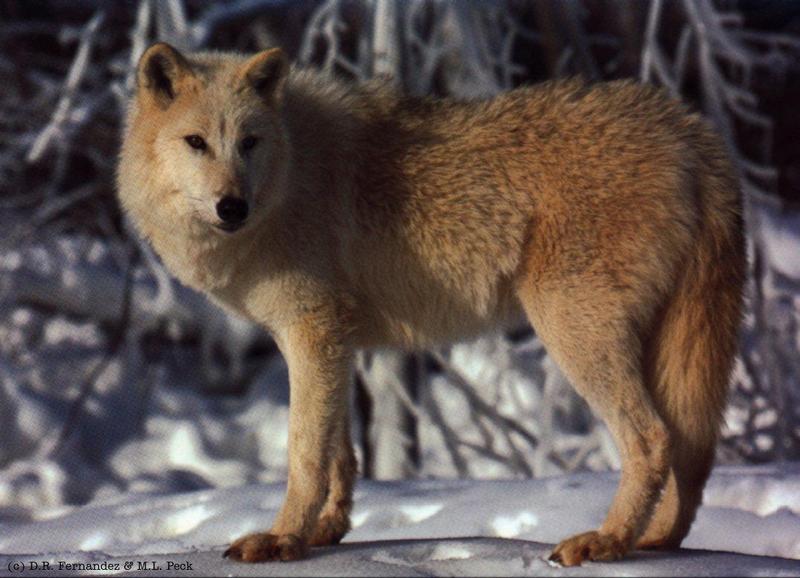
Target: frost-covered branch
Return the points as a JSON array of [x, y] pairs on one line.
[[65, 112]]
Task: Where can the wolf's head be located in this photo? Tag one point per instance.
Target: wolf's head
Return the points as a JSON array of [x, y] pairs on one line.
[[205, 141]]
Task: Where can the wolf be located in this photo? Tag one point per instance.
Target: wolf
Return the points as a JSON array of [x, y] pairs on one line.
[[345, 216]]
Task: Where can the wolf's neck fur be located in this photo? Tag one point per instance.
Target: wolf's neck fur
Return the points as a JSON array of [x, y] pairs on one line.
[[203, 261], [324, 120]]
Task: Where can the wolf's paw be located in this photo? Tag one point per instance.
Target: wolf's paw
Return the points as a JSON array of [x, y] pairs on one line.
[[263, 547], [589, 546], [331, 528]]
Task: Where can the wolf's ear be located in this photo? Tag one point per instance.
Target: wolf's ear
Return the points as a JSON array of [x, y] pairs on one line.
[[266, 73], [161, 72]]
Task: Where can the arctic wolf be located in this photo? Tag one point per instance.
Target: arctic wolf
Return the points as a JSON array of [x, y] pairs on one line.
[[343, 217]]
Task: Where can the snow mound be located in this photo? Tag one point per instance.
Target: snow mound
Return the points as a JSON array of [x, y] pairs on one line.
[[427, 527], [446, 557]]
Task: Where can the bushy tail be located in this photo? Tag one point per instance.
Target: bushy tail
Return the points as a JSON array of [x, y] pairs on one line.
[[691, 357]]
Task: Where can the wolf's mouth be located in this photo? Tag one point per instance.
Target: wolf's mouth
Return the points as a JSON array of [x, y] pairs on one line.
[[230, 227]]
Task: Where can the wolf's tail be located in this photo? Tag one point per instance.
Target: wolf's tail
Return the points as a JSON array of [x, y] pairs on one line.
[[689, 361]]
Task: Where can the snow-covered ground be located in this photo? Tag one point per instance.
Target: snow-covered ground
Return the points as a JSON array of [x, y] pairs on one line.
[[425, 527]]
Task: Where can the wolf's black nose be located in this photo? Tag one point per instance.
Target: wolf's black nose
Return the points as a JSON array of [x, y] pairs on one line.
[[232, 210]]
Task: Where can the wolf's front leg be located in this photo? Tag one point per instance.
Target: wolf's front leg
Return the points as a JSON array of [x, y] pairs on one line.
[[334, 519], [319, 376]]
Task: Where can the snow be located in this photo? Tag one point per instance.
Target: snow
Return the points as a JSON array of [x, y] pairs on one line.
[[428, 527]]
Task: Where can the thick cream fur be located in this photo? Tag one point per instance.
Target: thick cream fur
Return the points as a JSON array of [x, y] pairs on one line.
[[607, 215]]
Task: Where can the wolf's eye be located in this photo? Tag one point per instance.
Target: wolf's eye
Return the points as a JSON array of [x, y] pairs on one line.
[[249, 142], [196, 142]]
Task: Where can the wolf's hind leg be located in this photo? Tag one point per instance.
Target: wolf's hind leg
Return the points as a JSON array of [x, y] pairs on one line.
[[677, 507], [595, 344], [334, 520]]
